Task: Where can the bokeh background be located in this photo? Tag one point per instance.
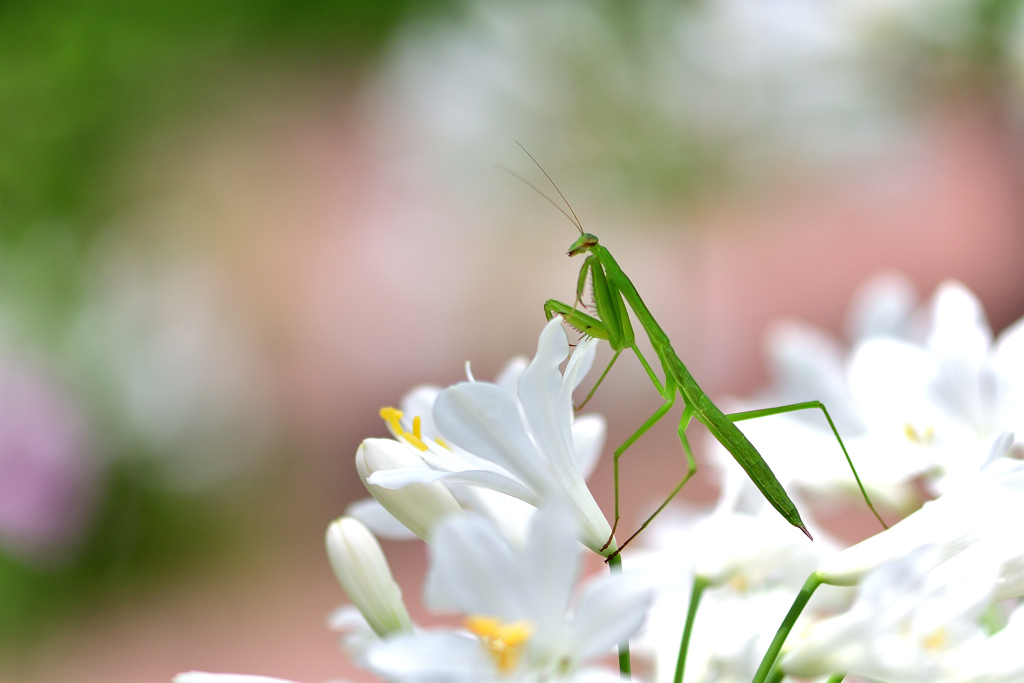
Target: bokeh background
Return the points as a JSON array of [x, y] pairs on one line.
[[231, 232]]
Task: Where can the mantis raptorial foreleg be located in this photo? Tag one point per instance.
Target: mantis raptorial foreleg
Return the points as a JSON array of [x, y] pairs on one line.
[[811, 405]]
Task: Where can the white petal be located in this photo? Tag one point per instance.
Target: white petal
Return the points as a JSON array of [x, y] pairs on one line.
[[400, 478], [362, 570], [998, 445], [473, 571], [347, 617], [481, 418], [1008, 354], [941, 521], [418, 506], [889, 379], [580, 362], [508, 377], [204, 677], [882, 306], [553, 560], [404, 476], [419, 402], [611, 610], [959, 326], [588, 435], [546, 398], [394, 479], [575, 370], [431, 658], [356, 635], [595, 676], [378, 520], [539, 389]]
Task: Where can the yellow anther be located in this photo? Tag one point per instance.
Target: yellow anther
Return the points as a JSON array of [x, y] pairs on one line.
[[417, 424], [935, 640], [505, 642], [441, 442], [413, 438], [392, 417], [414, 441], [922, 438], [739, 583]]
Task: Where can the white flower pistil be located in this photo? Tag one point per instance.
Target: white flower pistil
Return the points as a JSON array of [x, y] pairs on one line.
[[360, 566]]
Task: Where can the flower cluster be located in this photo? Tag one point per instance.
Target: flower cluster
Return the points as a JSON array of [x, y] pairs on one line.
[[492, 477], [927, 403]]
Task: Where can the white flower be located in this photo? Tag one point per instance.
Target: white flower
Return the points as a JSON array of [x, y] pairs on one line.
[[516, 601], [996, 659], [918, 394], [418, 506], [361, 568], [904, 625], [522, 443], [731, 634], [946, 396], [808, 364], [753, 562], [983, 509], [356, 634]]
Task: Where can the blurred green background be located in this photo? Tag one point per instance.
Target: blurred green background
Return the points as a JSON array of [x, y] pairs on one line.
[[85, 89]]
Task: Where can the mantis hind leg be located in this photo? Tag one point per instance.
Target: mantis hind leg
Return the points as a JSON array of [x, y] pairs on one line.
[[691, 469], [651, 421], [812, 405]]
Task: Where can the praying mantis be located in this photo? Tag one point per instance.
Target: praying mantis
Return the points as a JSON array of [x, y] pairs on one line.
[[614, 297]]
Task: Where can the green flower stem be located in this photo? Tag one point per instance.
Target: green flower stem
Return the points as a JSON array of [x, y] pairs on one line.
[[810, 585], [776, 675], [836, 678], [615, 565], [699, 584]]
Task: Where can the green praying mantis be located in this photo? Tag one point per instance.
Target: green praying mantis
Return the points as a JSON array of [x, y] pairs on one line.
[[613, 297]]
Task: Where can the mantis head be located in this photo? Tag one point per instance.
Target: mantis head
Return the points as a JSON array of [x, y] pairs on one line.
[[586, 242]]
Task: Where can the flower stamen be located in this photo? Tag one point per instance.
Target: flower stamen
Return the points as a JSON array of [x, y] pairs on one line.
[[935, 640], [505, 642], [414, 438], [924, 437]]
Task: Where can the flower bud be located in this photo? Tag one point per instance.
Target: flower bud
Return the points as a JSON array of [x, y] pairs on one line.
[[359, 563], [418, 506]]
